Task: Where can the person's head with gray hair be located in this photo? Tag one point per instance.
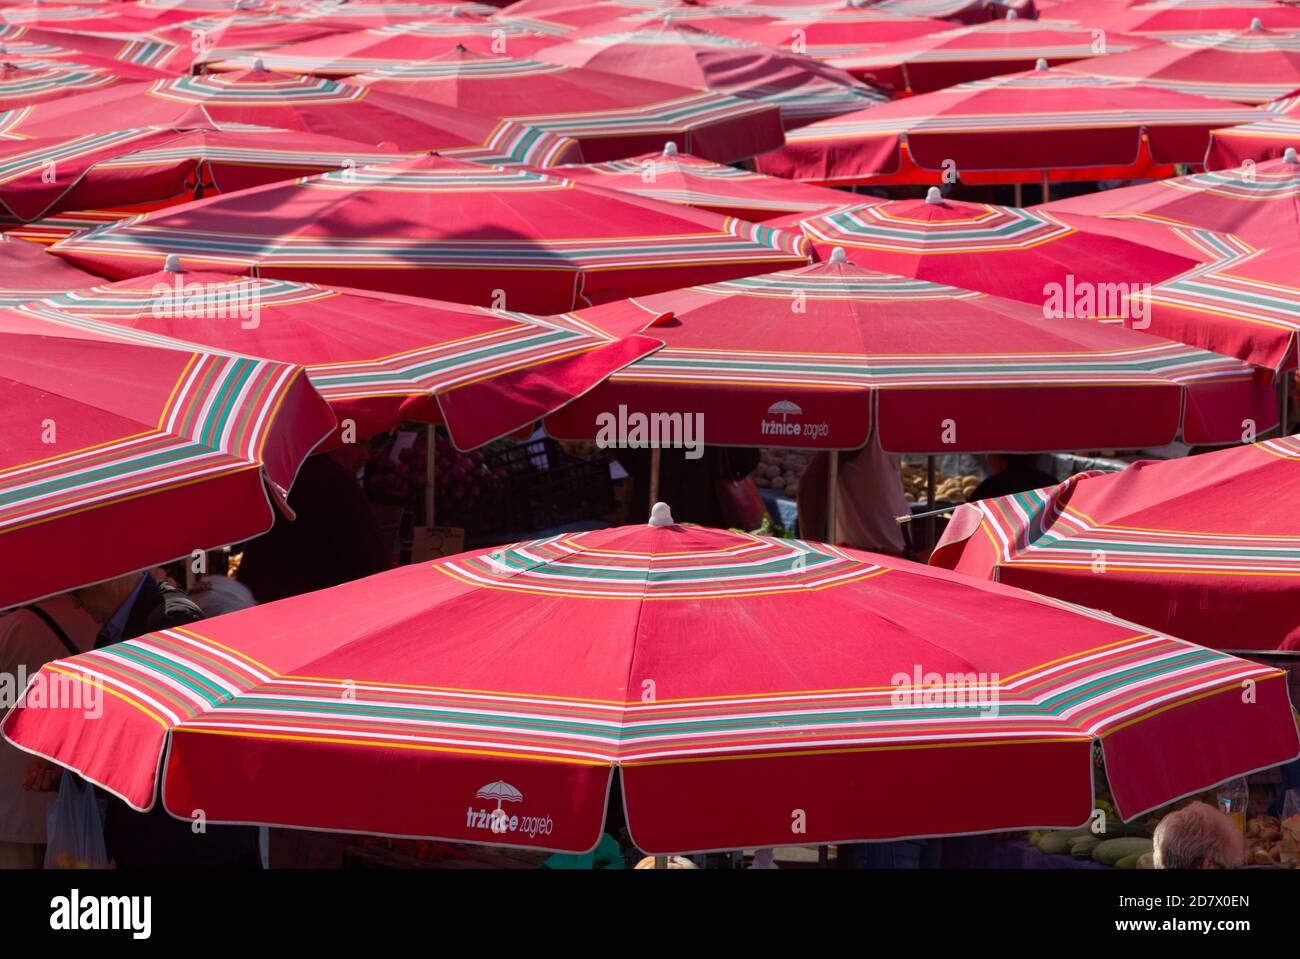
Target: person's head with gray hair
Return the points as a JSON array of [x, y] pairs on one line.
[[216, 595], [1198, 837]]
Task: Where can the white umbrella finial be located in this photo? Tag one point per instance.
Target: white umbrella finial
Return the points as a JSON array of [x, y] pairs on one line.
[[1256, 24], [934, 195], [661, 515], [173, 264], [839, 256], [670, 148], [1012, 15], [259, 65], [1040, 64], [1289, 156]]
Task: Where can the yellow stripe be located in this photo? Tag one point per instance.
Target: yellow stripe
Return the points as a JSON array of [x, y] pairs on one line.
[[112, 692], [499, 753]]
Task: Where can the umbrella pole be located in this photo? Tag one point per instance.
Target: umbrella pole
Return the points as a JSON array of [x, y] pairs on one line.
[[1047, 187], [823, 857], [430, 460], [1283, 406], [929, 501], [654, 476], [1019, 200], [832, 495]]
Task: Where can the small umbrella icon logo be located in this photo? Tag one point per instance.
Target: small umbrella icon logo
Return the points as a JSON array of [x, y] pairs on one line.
[[785, 408], [501, 791]]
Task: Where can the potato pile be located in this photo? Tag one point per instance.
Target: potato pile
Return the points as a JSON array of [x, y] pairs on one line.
[[953, 489], [780, 470]]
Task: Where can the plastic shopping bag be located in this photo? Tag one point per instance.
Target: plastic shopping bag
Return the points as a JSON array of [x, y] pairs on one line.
[[75, 827]]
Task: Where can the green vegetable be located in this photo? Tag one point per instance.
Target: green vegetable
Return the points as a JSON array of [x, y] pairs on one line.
[[1111, 851]]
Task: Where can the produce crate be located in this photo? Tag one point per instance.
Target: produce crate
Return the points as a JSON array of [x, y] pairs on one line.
[[567, 492], [536, 485]]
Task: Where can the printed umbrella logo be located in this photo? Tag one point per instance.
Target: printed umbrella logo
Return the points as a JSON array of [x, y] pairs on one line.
[[501, 791], [785, 408]]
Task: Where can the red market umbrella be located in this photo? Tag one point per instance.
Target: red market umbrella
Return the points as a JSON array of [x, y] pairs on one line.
[[575, 14], [27, 273], [1182, 546], [822, 34], [961, 11], [378, 358], [1171, 19], [203, 39], [27, 82], [366, 15], [932, 368], [500, 690], [37, 42], [361, 51], [1063, 263], [1257, 203], [119, 18], [1253, 65], [1018, 127], [488, 235], [611, 116], [50, 230], [673, 177], [672, 52], [117, 456], [304, 104], [1265, 139], [1248, 308], [936, 60], [148, 165]]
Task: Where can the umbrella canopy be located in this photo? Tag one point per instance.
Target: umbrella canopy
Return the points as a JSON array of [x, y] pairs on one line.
[[933, 368], [574, 14], [1178, 545], [500, 690], [1009, 128], [672, 52], [821, 34], [1172, 19], [378, 358], [1254, 65], [37, 42], [1247, 308], [51, 229], [152, 164], [304, 104], [366, 15], [117, 18], [1265, 139], [612, 117], [475, 234], [962, 11], [933, 61], [117, 456], [27, 272], [204, 39], [1257, 203], [380, 48], [27, 82], [1026, 255], [673, 177]]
